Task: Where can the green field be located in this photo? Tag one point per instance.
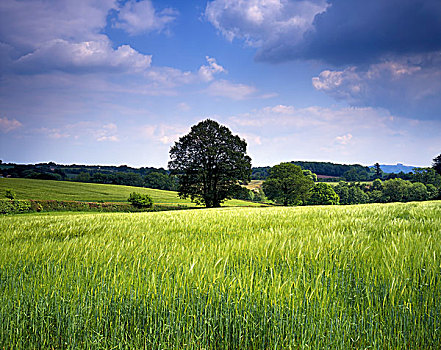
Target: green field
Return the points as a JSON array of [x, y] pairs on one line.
[[352, 277], [88, 192]]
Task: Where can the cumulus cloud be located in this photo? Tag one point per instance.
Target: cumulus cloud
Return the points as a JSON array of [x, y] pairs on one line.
[[26, 24], [263, 22], [224, 88], [378, 53], [410, 85], [38, 37], [207, 72], [137, 17], [338, 32], [84, 56], [7, 125]]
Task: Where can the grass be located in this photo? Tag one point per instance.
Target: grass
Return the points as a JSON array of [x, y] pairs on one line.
[[365, 276], [88, 192]]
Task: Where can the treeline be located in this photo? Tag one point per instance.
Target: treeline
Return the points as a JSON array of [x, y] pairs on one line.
[[337, 172], [289, 185], [151, 177], [393, 190], [353, 172]]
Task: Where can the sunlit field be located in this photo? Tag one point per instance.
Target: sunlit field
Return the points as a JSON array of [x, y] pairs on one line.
[[365, 276], [89, 192]]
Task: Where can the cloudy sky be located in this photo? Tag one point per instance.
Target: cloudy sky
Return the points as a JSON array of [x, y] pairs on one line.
[[117, 82]]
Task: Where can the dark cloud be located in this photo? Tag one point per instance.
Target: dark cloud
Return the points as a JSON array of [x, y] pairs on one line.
[[409, 85], [354, 32]]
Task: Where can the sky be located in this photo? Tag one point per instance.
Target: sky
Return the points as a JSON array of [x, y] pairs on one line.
[[118, 82]]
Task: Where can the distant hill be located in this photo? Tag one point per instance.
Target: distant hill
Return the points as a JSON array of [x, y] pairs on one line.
[[397, 168]]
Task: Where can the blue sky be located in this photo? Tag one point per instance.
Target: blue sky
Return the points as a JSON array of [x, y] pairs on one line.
[[118, 82]]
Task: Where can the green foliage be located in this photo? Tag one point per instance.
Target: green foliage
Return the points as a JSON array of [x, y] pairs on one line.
[[351, 193], [160, 181], [310, 174], [396, 190], [10, 194], [287, 184], [322, 194], [377, 185], [437, 164], [292, 278], [426, 176], [356, 174], [14, 206], [140, 200], [209, 161], [82, 177]]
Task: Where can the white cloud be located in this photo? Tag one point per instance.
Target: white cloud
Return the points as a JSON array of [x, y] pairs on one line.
[[137, 17], [107, 132], [344, 139], [7, 125], [83, 130], [206, 73], [88, 56], [263, 22], [30, 23], [224, 88], [163, 133]]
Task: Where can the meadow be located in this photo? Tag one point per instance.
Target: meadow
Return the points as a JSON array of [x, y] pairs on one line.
[[90, 192], [348, 277]]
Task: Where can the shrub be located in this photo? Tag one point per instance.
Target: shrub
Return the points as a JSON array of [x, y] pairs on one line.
[[14, 206], [139, 200], [10, 194]]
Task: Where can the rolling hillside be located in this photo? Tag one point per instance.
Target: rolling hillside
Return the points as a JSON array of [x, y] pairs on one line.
[[88, 192]]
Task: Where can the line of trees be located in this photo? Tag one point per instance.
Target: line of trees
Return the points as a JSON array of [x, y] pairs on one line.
[[155, 179]]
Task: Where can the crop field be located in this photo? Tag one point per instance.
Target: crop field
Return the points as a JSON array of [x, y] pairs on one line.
[[351, 277], [89, 192]]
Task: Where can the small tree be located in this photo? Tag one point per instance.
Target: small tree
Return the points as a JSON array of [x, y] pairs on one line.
[[209, 161], [378, 171], [287, 184], [139, 200], [323, 194], [10, 194], [437, 164]]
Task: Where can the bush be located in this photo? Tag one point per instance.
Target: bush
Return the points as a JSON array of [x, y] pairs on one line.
[[14, 206], [10, 194], [139, 200]]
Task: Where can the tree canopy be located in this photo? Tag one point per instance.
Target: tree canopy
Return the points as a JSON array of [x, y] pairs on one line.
[[437, 164], [287, 184], [323, 194], [209, 161]]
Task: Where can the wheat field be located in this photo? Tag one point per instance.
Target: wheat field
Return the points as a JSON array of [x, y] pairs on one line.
[[365, 276]]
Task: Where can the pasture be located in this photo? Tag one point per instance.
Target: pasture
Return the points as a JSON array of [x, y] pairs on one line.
[[365, 276], [90, 192]]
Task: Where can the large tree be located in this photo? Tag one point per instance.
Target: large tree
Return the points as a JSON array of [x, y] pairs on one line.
[[209, 161], [287, 184]]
